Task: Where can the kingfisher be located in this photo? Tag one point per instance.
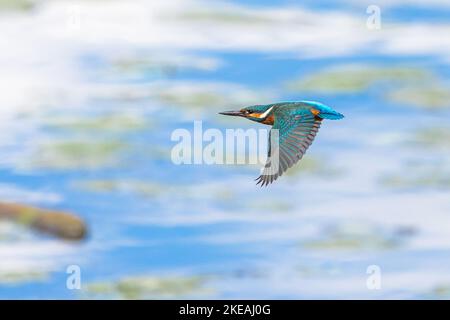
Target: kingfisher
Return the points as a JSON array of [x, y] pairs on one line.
[[294, 127]]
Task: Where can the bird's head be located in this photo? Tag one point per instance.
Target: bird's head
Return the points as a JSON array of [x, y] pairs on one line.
[[257, 113]]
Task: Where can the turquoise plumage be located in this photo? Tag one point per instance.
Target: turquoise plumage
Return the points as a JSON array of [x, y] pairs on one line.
[[294, 127]]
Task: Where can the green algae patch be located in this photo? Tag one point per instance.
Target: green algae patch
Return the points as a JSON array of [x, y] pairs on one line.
[[199, 96], [140, 188], [16, 5], [430, 180], [422, 176], [270, 205], [431, 172], [194, 99], [307, 166], [142, 66], [21, 277], [151, 190], [147, 287], [313, 166], [355, 79], [107, 123], [431, 97], [440, 291], [232, 17], [357, 236], [161, 66], [75, 154], [433, 137]]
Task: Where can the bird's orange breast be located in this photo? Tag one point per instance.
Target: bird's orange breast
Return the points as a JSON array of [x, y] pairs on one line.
[[269, 120]]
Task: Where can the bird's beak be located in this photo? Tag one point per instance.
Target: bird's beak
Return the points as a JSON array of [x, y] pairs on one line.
[[233, 113]]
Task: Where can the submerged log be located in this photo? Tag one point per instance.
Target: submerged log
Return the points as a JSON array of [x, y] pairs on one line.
[[61, 224]]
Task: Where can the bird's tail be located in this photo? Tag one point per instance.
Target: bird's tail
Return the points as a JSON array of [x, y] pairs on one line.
[[325, 112], [331, 115]]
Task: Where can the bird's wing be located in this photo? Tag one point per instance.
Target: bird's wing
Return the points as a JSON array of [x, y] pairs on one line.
[[295, 133]]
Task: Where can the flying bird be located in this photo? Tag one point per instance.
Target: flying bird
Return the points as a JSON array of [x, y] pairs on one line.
[[294, 125]]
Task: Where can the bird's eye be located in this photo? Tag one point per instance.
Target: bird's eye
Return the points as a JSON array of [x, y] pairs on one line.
[[247, 112]]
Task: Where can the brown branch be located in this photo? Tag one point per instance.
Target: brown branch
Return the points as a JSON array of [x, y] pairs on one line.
[[61, 224]]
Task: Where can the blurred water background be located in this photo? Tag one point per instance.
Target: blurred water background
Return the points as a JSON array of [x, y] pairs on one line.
[[92, 90]]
